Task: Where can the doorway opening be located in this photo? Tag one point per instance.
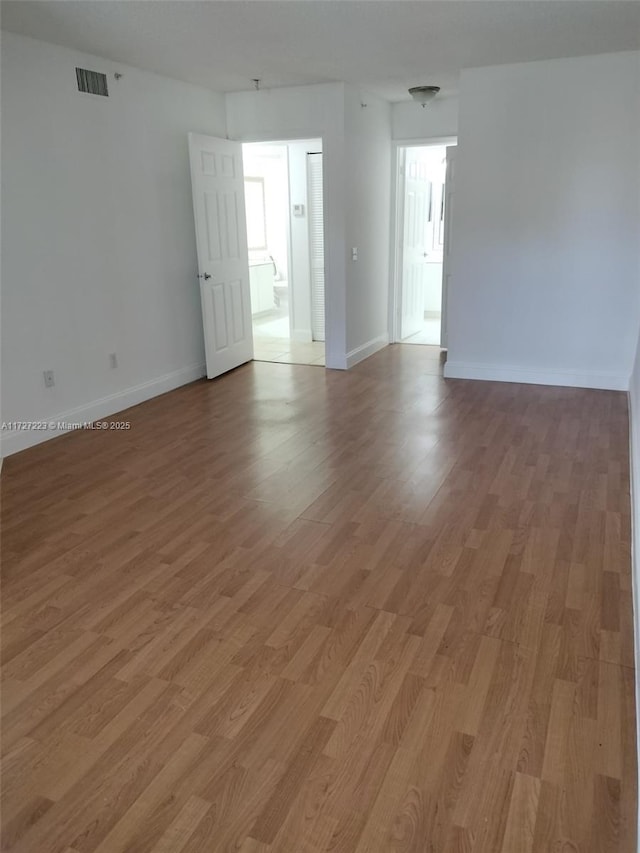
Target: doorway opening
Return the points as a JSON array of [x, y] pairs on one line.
[[285, 238], [424, 195]]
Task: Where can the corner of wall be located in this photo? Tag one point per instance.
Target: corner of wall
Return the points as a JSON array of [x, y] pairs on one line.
[[368, 155]]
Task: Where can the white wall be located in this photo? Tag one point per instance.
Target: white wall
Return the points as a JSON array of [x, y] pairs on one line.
[[545, 223], [368, 185], [302, 112], [99, 248], [412, 121]]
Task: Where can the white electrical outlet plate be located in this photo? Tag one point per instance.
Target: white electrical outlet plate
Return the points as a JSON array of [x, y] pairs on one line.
[[49, 380], [113, 359]]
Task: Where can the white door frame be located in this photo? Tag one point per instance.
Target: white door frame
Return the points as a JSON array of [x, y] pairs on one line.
[[398, 146], [261, 139], [311, 246]]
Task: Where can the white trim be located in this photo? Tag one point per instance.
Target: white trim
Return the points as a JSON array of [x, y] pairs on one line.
[[602, 380], [365, 350], [290, 276], [13, 442]]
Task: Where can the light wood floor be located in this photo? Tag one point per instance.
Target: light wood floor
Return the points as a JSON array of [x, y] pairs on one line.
[[303, 610]]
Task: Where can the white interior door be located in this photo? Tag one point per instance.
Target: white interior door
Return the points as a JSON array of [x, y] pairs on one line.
[[417, 201], [449, 188], [316, 244], [223, 262]]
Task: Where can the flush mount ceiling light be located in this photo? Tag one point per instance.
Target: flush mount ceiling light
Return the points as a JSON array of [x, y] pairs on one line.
[[423, 94]]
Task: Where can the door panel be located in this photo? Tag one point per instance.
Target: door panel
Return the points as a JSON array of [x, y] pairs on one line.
[[218, 311], [218, 204], [237, 311], [213, 226], [231, 211]]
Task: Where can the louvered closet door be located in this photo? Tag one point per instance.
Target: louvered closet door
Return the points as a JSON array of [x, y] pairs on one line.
[[316, 244]]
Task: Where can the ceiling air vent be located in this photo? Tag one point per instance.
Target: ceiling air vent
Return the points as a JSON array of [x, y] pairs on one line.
[[92, 82]]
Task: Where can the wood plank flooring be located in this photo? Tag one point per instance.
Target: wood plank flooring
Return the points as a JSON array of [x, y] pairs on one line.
[[299, 610]]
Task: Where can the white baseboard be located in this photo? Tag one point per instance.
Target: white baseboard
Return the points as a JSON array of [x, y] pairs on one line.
[[302, 336], [602, 380], [15, 440], [358, 354]]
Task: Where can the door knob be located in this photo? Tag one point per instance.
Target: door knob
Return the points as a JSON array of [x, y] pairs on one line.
[[206, 276]]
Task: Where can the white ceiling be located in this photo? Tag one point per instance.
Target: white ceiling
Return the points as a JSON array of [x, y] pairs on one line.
[[382, 45]]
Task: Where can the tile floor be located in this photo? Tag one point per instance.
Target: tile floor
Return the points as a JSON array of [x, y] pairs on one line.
[[429, 334], [271, 342]]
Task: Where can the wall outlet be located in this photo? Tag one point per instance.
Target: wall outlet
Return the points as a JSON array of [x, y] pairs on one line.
[[49, 380], [354, 253], [113, 359]]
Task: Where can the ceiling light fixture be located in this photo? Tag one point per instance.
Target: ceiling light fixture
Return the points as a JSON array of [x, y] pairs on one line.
[[423, 94]]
